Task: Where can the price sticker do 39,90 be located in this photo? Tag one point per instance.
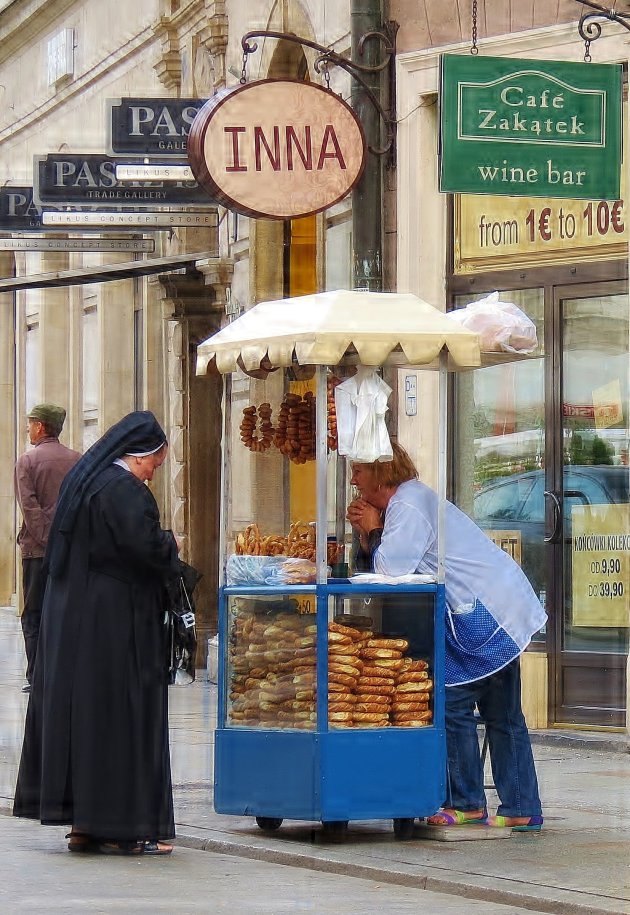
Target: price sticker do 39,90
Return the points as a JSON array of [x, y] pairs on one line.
[[600, 564]]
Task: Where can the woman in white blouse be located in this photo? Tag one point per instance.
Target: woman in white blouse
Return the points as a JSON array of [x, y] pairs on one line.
[[492, 613]]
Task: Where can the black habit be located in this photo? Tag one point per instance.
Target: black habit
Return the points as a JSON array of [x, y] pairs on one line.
[[96, 751]]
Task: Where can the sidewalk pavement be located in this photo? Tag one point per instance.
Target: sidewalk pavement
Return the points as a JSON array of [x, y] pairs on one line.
[[579, 863]]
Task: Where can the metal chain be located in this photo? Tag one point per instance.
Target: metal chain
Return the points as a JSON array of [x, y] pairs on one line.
[[474, 49], [587, 51], [327, 76], [243, 78]]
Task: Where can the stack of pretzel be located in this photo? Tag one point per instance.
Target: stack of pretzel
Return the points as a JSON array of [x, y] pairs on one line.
[[248, 428], [295, 430], [331, 383], [344, 671], [298, 544], [273, 677], [412, 695], [272, 671]]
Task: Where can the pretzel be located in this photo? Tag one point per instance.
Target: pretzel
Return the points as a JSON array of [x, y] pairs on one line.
[[345, 630], [273, 545], [396, 644], [340, 716], [424, 687], [413, 716], [380, 653], [341, 706], [343, 669], [414, 664], [377, 698], [386, 672], [413, 676], [374, 717], [337, 687], [374, 690], [373, 681], [412, 724], [341, 678], [369, 707], [339, 639], [391, 664], [343, 650], [409, 706], [346, 697]]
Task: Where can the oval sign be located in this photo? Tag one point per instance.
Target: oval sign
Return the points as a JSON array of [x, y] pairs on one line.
[[277, 148]]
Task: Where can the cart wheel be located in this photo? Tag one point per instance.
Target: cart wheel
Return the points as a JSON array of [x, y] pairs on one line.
[[335, 830], [403, 827], [269, 823]]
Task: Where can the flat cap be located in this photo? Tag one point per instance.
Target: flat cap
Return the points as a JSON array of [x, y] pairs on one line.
[[50, 414]]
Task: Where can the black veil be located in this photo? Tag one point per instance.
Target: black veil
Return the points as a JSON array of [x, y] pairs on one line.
[[137, 432]]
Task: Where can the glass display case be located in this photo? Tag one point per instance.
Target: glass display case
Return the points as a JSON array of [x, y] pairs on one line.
[[331, 699]]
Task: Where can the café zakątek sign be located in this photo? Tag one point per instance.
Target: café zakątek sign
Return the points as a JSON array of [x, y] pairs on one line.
[[531, 128], [276, 148]]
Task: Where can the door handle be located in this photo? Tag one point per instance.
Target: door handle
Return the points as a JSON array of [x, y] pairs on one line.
[[554, 537]]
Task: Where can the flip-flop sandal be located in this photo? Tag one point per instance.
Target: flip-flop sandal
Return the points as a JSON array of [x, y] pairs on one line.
[[157, 848], [533, 824], [457, 818], [121, 848]]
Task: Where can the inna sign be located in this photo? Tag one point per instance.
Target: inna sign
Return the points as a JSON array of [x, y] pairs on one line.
[[276, 148], [530, 128]]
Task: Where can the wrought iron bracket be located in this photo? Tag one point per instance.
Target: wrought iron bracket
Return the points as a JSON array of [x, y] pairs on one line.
[[328, 57], [590, 28]]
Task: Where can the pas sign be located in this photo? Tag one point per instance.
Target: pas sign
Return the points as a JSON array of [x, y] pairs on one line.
[[276, 148], [530, 128]]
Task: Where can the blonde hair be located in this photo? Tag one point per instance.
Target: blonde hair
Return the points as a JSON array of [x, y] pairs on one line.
[[397, 471]]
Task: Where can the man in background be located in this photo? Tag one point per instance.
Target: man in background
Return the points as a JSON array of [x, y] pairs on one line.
[[38, 476]]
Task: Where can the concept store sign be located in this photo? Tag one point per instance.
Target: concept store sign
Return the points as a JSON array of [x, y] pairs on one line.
[[277, 148], [530, 128]]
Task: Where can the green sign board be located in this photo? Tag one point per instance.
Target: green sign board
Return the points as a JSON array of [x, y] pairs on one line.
[[530, 128]]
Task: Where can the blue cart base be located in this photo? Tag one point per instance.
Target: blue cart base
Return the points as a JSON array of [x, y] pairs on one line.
[[389, 773]]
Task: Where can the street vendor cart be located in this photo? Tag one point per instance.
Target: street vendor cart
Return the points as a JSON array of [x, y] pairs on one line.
[[301, 734]]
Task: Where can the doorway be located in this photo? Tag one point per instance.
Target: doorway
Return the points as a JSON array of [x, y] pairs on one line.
[[541, 463]]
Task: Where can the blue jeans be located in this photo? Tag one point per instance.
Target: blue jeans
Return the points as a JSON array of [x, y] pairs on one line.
[[498, 698]]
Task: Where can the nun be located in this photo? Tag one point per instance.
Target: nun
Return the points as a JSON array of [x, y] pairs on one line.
[[95, 754]]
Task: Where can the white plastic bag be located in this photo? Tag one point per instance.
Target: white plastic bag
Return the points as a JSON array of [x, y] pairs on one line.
[[502, 326], [361, 405]]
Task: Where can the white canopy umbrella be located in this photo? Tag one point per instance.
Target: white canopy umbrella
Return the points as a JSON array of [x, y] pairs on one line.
[[319, 329]]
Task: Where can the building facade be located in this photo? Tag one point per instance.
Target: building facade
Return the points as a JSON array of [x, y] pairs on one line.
[[520, 432], [535, 446]]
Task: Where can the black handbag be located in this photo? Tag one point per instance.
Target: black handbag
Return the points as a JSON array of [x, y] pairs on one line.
[[181, 627]]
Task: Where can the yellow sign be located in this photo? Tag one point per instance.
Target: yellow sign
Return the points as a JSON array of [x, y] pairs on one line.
[[607, 406], [506, 232], [601, 565], [508, 541]]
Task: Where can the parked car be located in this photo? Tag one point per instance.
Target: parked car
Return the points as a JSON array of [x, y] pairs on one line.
[[517, 503]]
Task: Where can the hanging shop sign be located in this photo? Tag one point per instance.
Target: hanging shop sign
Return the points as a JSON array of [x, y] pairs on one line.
[[151, 126], [18, 210], [497, 233], [277, 148], [530, 128], [63, 179]]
